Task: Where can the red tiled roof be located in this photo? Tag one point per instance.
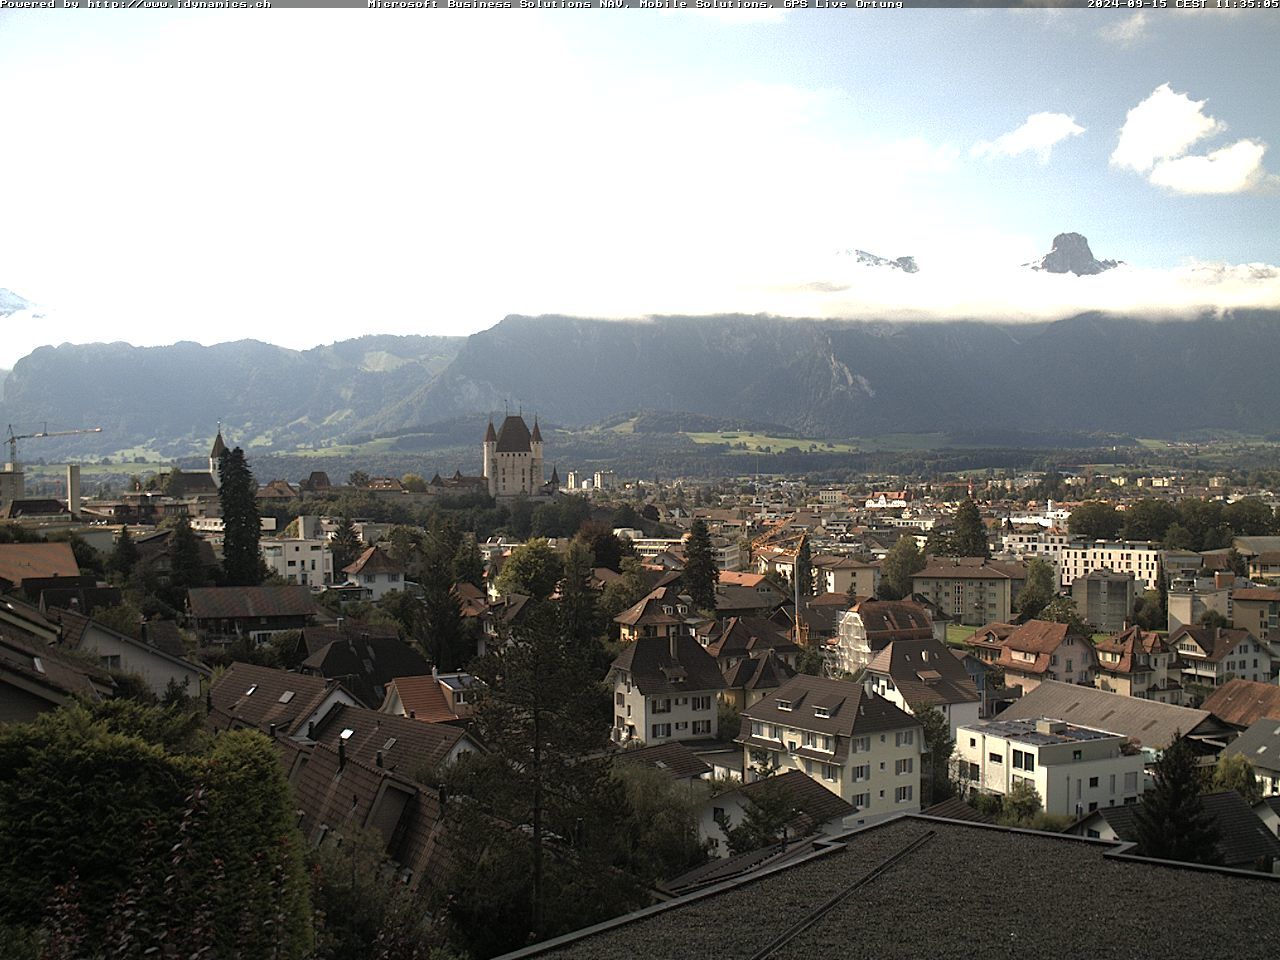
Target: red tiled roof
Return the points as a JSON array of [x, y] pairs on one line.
[[21, 560], [373, 560], [1242, 703], [236, 603], [422, 697]]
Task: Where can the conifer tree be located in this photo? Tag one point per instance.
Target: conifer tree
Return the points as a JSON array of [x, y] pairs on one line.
[[700, 571], [124, 557], [803, 570], [345, 547], [901, 562], [1171, 820], [969, 539], [468, 565], [237, 492]]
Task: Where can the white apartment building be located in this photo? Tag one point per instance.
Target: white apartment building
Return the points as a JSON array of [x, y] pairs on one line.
[[664, 688], [1024, 544], [308, 562], [858, 745], [1142, 559], [1073, 769]]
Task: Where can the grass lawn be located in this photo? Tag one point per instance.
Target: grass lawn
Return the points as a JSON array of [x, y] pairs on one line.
[[957, 634]]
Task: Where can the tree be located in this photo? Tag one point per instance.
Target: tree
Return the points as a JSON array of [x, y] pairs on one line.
[[765, 816], [237, 493], [811, 661], [1148, 519], [1178, 537], [345, 547], [414, 483], [468, 564], [1214, 620], [124, 557], [520, 518], [623, 593], [1148, 611], [1095, 520], [1235, 772], [533, 569], [581, 623], [1020, 805], [660, 834], [969, 539], [357, 478], [700, 571], [803, 570], [1039, 589], [939, 745], [1237, 564], [607, 549], [899, 565], [185, 567], [1063, 610], [940, 543], [1249, 517], [1171, 821], [535, 821]]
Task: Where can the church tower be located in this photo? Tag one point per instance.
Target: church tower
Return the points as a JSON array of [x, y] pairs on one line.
[[215, 457]]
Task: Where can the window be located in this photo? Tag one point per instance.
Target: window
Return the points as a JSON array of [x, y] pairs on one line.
[[823, 712], [995, 758], [902, 794], [111, 661], [1131, 783], [1076, 755], [757, 728], [973, 742], [904, 737], [619, 699], [1093, 783], [903, 766], [862, 772], [661, 730], [860, 744], [700, 703], [660, 706], [861, 800], [830, 772], [701, 728], [784, 704]]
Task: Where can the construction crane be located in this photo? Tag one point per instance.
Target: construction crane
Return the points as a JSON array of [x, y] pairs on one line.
[[15, 437]]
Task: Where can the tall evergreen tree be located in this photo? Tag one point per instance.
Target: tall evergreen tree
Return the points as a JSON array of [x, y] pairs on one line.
[[237, 492], [581, 621], [1039, 589], [700, 571], [901, 562], [969, 539], [441, 631], [185, 568], [803, 569], [124, 557], [345, 547], [468, 564], [1171, 821]]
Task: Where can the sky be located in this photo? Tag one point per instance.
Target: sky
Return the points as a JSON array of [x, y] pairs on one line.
[[305, 176]]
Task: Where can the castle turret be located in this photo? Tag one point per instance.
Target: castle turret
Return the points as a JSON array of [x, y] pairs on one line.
[[535, 467], [490, 448]]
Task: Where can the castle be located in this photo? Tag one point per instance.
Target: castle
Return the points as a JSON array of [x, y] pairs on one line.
[[513, 458]]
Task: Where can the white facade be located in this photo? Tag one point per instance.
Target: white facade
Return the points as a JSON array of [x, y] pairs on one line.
[[1140, 559], [958, 714], [659, 719], [1073, 769], [307, 562]]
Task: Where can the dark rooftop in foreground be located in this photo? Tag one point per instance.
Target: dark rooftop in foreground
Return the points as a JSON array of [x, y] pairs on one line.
[[923, 887]]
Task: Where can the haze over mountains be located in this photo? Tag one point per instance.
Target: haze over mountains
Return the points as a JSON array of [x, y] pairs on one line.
[[823, 379]]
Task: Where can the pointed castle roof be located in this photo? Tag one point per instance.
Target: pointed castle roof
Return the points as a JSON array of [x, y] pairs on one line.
[[513, 435], [537, 434], [489, 435]]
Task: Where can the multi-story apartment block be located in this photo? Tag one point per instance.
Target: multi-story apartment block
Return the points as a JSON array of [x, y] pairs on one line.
[[869, 626], [971, 590], [858, 745], [1105, 599], [1073, 769], [1142, 559], [664, 688], [833, 574], [1258, 611], [1191, 597], [1139, 663], [297, 560], [1045, 544], [914, 675]]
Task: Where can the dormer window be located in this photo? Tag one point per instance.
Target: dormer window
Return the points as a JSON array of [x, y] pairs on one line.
[[822, 712], [784, 705]]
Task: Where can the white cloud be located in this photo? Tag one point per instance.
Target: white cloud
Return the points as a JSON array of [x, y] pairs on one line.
[[1231, 169], [1038, 135], [1159, 131], [1161, 127], [1128, 31]]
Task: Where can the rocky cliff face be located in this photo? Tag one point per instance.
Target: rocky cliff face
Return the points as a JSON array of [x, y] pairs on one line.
[[1071, 254]]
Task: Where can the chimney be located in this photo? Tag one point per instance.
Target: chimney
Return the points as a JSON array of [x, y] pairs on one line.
[[342, 754], [671, 640], [377, 758], [271, 731], [73, 489], [413, 715], [311, 730]]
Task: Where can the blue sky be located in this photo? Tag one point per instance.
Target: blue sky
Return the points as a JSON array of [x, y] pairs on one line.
[[309, 175]]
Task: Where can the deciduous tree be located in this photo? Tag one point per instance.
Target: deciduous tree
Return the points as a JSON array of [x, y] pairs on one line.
[[901, 562], [533, 569]]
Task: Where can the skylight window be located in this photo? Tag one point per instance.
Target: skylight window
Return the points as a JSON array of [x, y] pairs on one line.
[[346, 734], [285, 697], [38, 664], [249, 692], [784, 704], [391, 742]]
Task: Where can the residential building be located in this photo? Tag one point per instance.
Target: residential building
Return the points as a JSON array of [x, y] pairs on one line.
[[847, 575], [1191, 597], [376, 573], [225, 614], [1242, 703], [661, 614], [676, 761], [162, 671], [972, 590], [870, 625], [664, 688], [739, 638], [276, 702], [1141, 558], [1035, 541], [433, 697], [1105, 599], [1149, 724], [1138, 663], [1244, 842], [1073, 769], [1260, 745], [20, 561], [1258, 611], [393, 743], [35, 677], [1041, 650], [751, 680], [306, 561], [856, 744], [816, 810], [917, 674], [1213, 655], [365, 664]]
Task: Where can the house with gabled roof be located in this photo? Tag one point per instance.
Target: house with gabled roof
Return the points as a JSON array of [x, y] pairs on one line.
[[1260, 745], [432, 697], [739, 638], [1138, 663], [276, 702], [750, 680], [376, 573], [662, 613], [664, 688], [420, 751], [225, 614], [971, 589], [35, 677], [918, 674], [1242, 703], [856, 744], [19, 561], [365, 664], [1213, 655], [1042, 650], [870, 625], [812, 808]]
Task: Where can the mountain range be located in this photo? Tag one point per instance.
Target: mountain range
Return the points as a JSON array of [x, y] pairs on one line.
[[821, 379]]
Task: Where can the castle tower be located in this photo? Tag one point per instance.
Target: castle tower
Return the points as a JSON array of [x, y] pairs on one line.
[[490, 457], [535, 466]]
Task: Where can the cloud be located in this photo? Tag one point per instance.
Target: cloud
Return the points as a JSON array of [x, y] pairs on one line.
[[1232, 169], [1162, 126], [1038, 135], [1159, 131], [1128, 31]]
